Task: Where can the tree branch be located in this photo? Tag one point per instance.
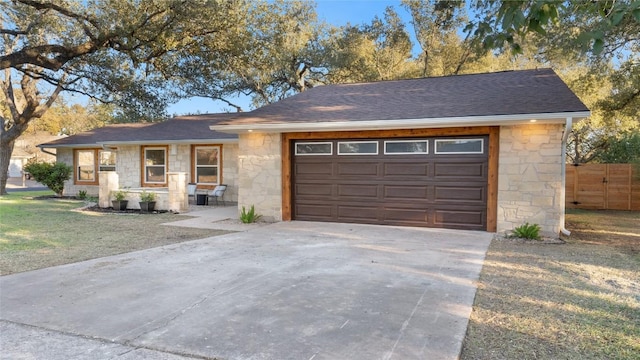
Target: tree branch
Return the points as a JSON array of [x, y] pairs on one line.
[[238, 108], [42, 108], [59, 9], [13, 32], [37, 55], [7, 88], [59, 82]]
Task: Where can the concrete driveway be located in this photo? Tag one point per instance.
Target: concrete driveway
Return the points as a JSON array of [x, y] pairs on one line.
[[291, 290]]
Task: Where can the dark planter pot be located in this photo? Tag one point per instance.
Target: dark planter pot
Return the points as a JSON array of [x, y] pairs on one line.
[[120, 205], [147, 206]]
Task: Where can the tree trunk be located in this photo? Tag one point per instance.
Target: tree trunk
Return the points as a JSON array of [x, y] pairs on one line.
[[6, 149]]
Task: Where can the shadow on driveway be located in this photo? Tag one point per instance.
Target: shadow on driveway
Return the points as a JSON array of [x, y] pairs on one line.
[[291, 290]]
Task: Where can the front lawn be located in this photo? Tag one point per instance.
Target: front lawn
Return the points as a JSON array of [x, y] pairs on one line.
[[579, 300], [35, 234]]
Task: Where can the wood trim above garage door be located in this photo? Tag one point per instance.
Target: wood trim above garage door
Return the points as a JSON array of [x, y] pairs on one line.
[[492, 132]]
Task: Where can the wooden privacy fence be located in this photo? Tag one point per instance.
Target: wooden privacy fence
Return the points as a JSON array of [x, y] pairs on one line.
[[602, 186]]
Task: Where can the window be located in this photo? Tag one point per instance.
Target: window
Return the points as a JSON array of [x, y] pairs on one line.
[[314, 148], [460, 146], [399, 147], [207, 163], [88, 162], [86, 166], [358, 148], [155, 165], [107, 160]]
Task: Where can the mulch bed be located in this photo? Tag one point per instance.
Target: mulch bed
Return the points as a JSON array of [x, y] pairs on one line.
[[96, 208], [110, 210], [54, 197]]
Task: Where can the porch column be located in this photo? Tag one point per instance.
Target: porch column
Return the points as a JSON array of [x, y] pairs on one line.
[[178, 197], [108, 181]]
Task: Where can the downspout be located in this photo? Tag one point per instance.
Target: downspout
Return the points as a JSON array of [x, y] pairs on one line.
[[565, 138], [47, 152]]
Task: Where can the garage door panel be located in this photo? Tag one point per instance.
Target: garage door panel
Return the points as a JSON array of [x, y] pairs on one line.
[[420, 169], [392, 192], [397, 216], [460, 219], [314, 211], [460, 170], [466, 194], [358, 190], [313, 190], [357, 212], [357, 169], [313, 169]]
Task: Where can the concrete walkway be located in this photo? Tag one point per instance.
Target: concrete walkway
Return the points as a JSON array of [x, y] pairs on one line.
[[218, 218], [291, 290]]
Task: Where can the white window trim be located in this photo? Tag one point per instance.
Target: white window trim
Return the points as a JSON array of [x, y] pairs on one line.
[[359, 142], [196, 166], [313, 143], [406, 141], [459, 152], [154, 166]]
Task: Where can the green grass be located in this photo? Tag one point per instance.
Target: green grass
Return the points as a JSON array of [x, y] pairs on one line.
[[25, 224], [40, 233]]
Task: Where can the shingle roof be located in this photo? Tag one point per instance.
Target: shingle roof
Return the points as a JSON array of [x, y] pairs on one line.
[[181, 128], [502, 93], [538, 91]]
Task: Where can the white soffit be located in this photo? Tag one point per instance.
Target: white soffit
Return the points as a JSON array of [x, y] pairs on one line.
[[493, 120]]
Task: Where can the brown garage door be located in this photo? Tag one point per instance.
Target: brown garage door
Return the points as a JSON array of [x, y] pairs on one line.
[[432, 182]]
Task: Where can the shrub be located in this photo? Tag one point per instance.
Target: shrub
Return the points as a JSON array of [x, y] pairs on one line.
[[119, 195], [248, 217], [52, 176], [147, 196], [82, 194], [527, 231]]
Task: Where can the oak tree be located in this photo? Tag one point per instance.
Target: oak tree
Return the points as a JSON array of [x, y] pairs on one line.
[[122, 52]]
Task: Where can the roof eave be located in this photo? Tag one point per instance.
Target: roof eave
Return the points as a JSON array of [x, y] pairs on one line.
[[62, 146], [164, 142], [139, 142], [465, 121]]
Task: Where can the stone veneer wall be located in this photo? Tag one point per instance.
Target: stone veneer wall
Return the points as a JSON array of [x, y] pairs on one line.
[[230, 171], [260, 174], [66, 156], [71, 189], [530, 177], [128, 167]]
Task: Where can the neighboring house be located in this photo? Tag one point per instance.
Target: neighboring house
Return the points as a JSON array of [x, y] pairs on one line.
[[478, 152], [144, 154], [19, 158], [26, 148]]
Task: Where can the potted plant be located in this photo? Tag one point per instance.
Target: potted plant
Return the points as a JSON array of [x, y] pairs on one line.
[[147, 201], [119, 203]]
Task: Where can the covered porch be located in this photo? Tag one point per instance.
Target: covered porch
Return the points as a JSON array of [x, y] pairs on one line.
[[175, 197]]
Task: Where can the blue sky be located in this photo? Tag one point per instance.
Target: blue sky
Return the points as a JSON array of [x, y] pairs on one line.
[[336, 12], [340, 12]]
